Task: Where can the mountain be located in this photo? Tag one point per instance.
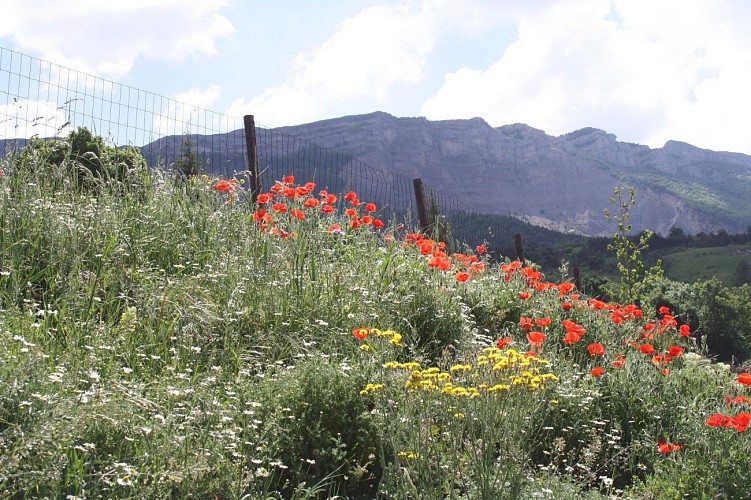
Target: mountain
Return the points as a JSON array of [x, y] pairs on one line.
[[562, 182], [557, 182]]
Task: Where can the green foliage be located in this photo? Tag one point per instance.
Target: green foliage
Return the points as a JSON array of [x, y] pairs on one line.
[[173, 343], [719, 315], [634, 277], [83, 159], [187, 164]]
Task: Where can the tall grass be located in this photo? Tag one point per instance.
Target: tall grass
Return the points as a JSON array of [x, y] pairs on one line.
[[176, 341]]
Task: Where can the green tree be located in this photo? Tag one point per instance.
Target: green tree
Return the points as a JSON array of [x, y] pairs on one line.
[[742, 273], [187, 164], [635, 278]]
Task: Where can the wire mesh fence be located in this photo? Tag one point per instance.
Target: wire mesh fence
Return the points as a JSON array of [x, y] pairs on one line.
[[45, 100]]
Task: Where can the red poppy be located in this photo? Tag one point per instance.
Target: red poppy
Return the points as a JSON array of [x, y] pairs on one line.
[[350, 212], [596, 349], [289, 179], [684, 331], [542, 322], [566, 306], [462, 276], [597, 372], [366, 219], [598, 304], [565, 288], [354, 223], [226, 186], [441, 263], [350, 196], [646, 348], [263, 198], [279, 207], [297, 214], [360, 333], [665, 447], [370, 207], [675, 351], [619, 361], [330, 199], [664, 310], [571, 338], [259, 214], [741, 421], [744, 378], [327, 209], [570, 326], [310, 203], [738, 400], [378, 223], [481, 249], [524, 295], [719, 420], [501, 343], [334, 228], [536, 338], [656, 360]]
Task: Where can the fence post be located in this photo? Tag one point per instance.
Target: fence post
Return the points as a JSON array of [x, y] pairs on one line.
[[519, 248], [421, 205], [577, 280], [252, 148]]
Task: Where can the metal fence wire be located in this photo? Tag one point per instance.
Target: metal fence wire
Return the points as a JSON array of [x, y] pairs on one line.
[[45, 100]]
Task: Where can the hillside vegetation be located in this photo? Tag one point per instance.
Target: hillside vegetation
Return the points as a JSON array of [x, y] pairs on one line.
[[163, 337]]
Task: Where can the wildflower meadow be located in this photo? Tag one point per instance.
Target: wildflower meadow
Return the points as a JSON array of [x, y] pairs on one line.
[[162, 336]]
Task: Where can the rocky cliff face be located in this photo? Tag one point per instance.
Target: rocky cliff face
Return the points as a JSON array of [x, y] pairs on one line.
[[561, 182]]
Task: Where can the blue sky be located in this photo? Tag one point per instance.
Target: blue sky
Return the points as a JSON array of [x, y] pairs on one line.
[[645, 70]]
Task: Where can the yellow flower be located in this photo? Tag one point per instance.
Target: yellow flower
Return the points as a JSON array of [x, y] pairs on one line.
[[371, 388], [499, 387], [457, 368]]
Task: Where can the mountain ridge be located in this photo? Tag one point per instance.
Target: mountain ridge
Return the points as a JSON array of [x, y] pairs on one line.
[[559, 182], [563, 182]]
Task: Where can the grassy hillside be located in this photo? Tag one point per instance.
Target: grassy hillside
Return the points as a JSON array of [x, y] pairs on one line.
[[694, 264], [165, 338]]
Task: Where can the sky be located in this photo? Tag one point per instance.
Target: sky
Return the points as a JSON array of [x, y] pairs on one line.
[[647, 71]]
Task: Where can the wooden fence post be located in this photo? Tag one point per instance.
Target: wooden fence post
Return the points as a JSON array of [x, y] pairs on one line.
[[577, 280], [421, 205], [519, 248], [252, 148]]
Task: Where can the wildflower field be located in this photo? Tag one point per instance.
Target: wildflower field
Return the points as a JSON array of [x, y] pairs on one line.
[[165, 337]]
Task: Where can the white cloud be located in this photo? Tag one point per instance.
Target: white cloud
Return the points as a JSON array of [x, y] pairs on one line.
[[188, 112], [372, 55], [106, 37], [200, 98], [28, 118], [646, 71]]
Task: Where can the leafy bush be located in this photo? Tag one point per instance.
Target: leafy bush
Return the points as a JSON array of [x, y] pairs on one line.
[[84, 159]]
